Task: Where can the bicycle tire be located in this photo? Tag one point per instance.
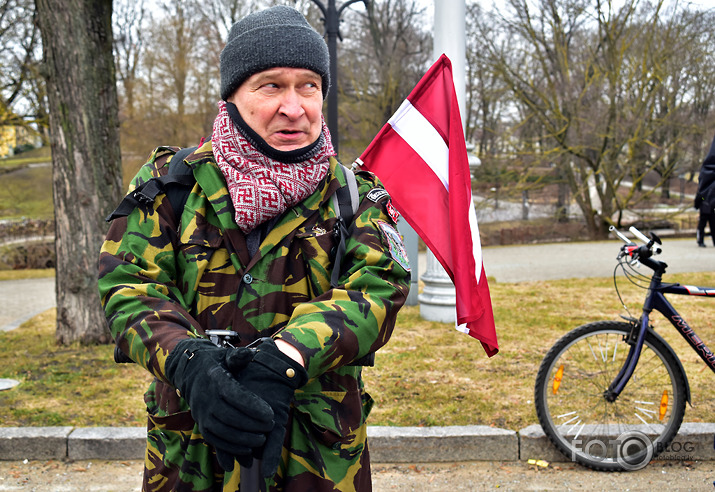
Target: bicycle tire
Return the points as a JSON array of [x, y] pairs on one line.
[[623, 435]]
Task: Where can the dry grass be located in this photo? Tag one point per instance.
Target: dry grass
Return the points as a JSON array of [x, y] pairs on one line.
[[429, 374], [78, 386], [21, 274]]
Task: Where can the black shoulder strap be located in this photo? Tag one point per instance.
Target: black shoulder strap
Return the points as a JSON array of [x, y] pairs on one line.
[[179, 174], [345, 201], [147, 192], [177, 195]]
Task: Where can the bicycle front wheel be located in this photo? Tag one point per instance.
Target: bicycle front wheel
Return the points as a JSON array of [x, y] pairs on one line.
[[576, 416]]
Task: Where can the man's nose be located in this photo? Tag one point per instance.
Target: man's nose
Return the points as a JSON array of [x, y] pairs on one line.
[[292, 104]]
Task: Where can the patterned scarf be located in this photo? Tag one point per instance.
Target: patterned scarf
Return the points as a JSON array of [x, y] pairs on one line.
[[262, 187]]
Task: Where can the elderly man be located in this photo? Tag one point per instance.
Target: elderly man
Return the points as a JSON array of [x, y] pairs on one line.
[[261, 249]]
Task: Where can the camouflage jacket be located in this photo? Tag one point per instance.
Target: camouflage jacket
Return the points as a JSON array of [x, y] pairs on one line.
[[161, 281]]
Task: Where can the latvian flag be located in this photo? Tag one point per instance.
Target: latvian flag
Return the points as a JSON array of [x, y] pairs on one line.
[[420, 156]]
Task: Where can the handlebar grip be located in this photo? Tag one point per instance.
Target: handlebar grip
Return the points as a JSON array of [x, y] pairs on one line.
[[639, 234], [618, 233]]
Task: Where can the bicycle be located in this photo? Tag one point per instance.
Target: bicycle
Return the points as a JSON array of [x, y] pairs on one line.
[[611, 395]]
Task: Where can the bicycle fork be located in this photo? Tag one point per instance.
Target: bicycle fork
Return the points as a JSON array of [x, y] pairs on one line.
[[629, 366], [636, 343]]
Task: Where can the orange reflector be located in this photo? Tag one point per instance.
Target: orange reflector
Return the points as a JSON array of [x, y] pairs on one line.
[[557, 378], [663, 404]]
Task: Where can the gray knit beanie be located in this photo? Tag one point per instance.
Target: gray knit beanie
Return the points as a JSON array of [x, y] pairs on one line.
[[276, 37]]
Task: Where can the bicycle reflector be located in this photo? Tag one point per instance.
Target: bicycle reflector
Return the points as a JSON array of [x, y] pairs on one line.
[[557, 379], [663, 404]]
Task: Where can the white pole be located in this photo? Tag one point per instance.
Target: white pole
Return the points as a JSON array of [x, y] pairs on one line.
[[438, 299], [450, 38]]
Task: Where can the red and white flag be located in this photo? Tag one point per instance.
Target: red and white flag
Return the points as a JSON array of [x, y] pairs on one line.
[[420, 156]]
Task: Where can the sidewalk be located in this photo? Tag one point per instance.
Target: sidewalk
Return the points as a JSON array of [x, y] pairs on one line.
[[554, 261], [23, 299]]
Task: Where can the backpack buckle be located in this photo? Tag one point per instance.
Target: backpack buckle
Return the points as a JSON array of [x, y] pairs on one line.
[[142, 198]]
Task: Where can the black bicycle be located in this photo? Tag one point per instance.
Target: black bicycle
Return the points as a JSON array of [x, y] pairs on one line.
[[611, 394]]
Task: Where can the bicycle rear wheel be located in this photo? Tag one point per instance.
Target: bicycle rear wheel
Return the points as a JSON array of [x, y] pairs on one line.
[[621, 435]]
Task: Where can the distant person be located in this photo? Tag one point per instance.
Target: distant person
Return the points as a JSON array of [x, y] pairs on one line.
[[261, 249], [705, 197]]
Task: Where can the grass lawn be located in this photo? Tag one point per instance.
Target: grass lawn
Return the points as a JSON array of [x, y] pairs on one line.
[[429, 374], [26, 192], [27, 185]]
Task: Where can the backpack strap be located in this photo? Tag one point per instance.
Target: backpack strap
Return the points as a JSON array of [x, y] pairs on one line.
[[346, 199], [346, 202], [176, 185], [177, 195]]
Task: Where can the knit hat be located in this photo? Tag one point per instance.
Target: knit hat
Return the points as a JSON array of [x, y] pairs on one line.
[[276, 37]]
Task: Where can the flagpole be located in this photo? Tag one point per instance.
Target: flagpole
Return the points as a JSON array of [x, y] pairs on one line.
[[438, 298]]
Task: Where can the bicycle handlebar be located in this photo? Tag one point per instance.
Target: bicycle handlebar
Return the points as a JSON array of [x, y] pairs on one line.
[[639, 235], [618, 233], [639, 253]]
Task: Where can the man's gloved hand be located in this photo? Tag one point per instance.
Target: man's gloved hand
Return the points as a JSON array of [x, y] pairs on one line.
[[274, 377], [230, 417]]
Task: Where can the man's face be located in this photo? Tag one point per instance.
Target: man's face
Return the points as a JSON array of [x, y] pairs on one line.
[[283, 105]]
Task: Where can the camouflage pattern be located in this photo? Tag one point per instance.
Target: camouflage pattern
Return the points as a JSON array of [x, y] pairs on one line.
[[160, 282]]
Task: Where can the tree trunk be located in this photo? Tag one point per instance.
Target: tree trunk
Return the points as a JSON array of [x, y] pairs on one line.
[[86, 161], [665, 188]]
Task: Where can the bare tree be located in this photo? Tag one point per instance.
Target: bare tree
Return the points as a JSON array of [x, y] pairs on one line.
[[386, 51], [77, 48], [21, 85], [487, 97], [129, 42], [595, 87]]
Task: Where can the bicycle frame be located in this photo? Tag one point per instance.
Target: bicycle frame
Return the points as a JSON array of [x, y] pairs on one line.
[[656, 300]]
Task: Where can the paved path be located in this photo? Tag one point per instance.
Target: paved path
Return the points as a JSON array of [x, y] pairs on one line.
[[20, 300], [121, 476], [586, 259]]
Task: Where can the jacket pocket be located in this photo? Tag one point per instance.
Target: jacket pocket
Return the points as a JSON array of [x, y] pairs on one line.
[[333, 416]]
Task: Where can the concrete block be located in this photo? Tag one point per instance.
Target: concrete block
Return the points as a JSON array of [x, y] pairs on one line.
[[435, 444], [533, 444], [694, 442], [108, 443], [33, 443]]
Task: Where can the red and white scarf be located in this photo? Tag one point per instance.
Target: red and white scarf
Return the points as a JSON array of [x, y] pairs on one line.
[[260, 187]]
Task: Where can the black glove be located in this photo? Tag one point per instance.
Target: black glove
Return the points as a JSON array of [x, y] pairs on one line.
[[274, 377], [230, 417]]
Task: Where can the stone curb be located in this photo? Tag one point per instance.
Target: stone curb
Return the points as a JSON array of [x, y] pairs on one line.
[[387, 444]]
